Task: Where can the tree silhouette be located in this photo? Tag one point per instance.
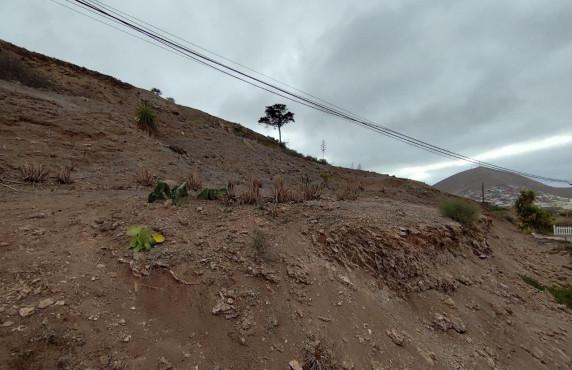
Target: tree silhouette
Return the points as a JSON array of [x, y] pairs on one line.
[[277, 116]]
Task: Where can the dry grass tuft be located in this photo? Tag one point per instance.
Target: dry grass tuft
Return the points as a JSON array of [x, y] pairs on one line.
[[350, 192], [312, 191], [194, 181], [280, 194], [145, 178], [34, 172], [64, 175], [231, 188], [252, 193]]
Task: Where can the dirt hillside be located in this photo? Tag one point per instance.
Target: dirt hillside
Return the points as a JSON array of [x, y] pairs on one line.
[[378, 282]]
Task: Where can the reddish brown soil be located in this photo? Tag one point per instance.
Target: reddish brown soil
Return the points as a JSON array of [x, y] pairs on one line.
[[380, 282]]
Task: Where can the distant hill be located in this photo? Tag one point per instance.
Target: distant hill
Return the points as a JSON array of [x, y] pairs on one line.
[[470, 181]]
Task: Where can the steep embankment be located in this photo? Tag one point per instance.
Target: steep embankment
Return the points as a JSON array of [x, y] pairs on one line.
[[378, 282]]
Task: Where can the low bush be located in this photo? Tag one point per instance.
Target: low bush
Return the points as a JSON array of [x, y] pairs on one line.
[[34, 172], [146, 119], [64, 175], [562, 294], [261, 243], [194, 181], [280, 193], [145, 178], [15, 69], [460, 211], [349, 192]]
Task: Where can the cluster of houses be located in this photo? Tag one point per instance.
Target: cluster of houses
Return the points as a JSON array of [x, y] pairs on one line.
[[506, 195]]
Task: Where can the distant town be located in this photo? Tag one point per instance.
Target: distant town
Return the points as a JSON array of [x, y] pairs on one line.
[[506, 195]]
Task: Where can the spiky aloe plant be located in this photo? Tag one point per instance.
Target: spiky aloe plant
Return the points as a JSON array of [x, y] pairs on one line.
[[146, 119]]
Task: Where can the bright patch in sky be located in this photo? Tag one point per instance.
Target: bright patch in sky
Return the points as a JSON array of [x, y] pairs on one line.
[[422, 173]]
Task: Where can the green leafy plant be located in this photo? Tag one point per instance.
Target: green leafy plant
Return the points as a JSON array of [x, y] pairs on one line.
[[163, 191], [562, 294], [211, 193], [530, 215], [460, 211], [143, 238], [326, 177], [146, 119]]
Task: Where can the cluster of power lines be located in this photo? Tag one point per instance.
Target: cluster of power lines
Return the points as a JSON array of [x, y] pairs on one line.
[[168, 41]]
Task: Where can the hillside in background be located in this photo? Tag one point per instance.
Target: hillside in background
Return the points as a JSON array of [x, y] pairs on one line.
[[501, 187], [365, 275]]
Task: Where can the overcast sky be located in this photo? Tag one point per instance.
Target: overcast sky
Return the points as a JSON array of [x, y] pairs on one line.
[[488, 79]]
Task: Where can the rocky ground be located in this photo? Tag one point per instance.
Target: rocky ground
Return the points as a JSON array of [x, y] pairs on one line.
[[380, 282]]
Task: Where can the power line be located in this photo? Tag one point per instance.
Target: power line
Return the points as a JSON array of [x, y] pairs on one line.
[[119, 17]]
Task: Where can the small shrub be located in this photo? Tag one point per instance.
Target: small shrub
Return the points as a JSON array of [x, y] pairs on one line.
[[460, 211], [562, 294], [231, 188], [349, 192], [194, 181], [156, 91], [172, 100], [146, 119], [13, 68], [316, 358], [312, 191], [322, 161], [280, 194], [326, 178], [34, 172], [252, 193], [64, 175], [261, 243], [145, 178]]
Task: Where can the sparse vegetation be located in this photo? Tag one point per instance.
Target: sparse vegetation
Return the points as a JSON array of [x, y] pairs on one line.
[[252, 193], [143, 238], [156, 91], [326, 178], [562, 293], [163, 191], [261, 243], [194, 181], [15, 69], [280, 194], [530, 215], [172, 100], [315, 358], [459, 210], [34, 172], [231, 188], [64, 175], [146, 118], [349, 192], [145, 178]]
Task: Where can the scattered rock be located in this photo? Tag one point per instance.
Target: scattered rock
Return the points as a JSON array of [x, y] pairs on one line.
[[127, 338], [295, 365], [395, 336], [26, 311], [7, 324], [164, 364], [444, 323], [347, 365], [46, 303]]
